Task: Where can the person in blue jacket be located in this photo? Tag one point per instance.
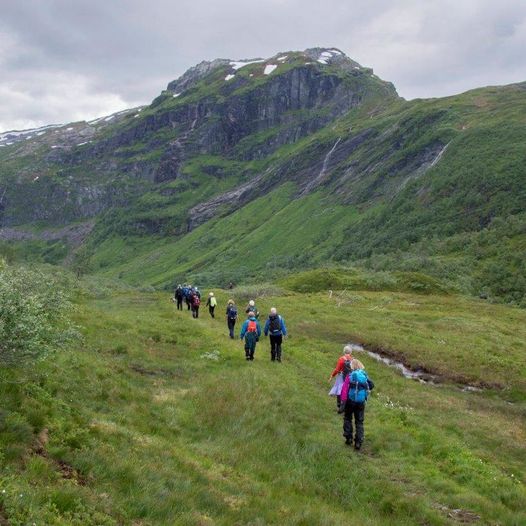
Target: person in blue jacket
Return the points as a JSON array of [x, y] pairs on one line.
[[276, 328], [250, 331]]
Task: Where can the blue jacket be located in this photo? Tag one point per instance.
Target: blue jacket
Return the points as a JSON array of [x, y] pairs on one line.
[[245, 327], [282, 328]]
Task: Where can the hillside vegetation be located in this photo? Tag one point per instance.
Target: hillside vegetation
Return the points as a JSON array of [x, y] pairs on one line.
[[156, 418]]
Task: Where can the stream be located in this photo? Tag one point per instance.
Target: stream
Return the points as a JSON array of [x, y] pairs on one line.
[[418, 375]]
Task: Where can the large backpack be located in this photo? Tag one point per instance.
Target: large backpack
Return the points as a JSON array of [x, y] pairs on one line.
[[232, 313], [196, 300], [358, 386], [275, 324], [252, 326]]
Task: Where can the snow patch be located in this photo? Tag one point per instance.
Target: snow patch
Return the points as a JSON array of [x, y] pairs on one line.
[[269, 68], [238, 64], [82, 143], [69, 129], [29, 137], [229, 77], [36, 178], [325, 56], [55, 146], [175, 95], [135, 116], [109, 118], [281, 59], [41, 133]]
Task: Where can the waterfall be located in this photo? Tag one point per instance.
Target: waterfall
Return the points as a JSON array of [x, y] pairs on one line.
[[327, 157]]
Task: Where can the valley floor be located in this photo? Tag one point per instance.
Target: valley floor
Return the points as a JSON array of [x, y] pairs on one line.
[[156, 418]]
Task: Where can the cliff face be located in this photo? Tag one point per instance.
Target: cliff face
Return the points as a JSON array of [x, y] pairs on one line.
[[238, 110]]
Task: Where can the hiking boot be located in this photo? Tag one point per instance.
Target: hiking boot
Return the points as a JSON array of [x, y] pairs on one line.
[[348, 441], [357, 446]]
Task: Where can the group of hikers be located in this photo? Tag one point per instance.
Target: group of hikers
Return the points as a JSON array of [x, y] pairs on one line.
[[352, 385], [250, 332]]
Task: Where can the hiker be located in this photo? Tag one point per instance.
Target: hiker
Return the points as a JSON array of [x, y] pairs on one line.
[[231, 317], [196, 302], [354, 395], [251, 307], [231, 285], [178, 297], [250, 331], [211, 303], [342, 369], [187, 293], [275, 327]]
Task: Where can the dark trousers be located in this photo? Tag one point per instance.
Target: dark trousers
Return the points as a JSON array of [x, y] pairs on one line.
[[211, 310], [250, 345], [356, 411], [231, 324], [188, 304], [275, 347], [195, 311], [179, 303]]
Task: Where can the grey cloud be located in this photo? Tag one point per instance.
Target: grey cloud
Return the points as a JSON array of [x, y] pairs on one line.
[[62, 60]]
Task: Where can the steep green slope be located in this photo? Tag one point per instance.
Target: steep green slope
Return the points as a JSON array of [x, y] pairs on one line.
[[157, 419]]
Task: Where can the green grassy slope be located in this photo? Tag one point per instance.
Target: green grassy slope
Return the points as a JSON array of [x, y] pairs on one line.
[[144, 426]]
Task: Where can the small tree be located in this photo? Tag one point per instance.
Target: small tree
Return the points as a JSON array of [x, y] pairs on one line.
[[33, 315]]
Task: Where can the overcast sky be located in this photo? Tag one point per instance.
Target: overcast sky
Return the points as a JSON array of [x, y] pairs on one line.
[[67, 60]]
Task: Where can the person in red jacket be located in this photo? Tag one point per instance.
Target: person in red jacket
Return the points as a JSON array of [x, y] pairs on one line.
[[343, 366]]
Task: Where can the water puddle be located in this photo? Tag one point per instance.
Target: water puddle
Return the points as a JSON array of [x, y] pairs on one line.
[[417, 374]]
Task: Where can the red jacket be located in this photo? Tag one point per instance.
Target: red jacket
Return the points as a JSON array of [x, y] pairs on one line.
[[340, 364]]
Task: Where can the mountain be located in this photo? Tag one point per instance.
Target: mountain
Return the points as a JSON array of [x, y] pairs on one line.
[[247, 168]]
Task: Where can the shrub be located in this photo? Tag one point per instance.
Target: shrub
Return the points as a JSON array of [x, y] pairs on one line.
[[33, 315]]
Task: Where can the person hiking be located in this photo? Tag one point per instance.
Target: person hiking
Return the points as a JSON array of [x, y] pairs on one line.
[[196, 302], [178, 297], [187, 293], [211, 303], [355, 391], [275, 327], [251, 307], [250, 331], [343, 367], [231, 317]]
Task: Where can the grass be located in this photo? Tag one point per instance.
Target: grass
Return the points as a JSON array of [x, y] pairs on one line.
[[144, 428]]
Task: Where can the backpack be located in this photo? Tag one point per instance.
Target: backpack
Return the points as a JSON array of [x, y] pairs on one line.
[[252, 326], [232, 313], [196, 301], [275, 324], [358, 386]]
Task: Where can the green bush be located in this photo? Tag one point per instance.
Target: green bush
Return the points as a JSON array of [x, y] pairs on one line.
[[33, 315]]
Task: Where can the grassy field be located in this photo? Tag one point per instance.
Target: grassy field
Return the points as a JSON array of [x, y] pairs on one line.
[[156, 418]]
